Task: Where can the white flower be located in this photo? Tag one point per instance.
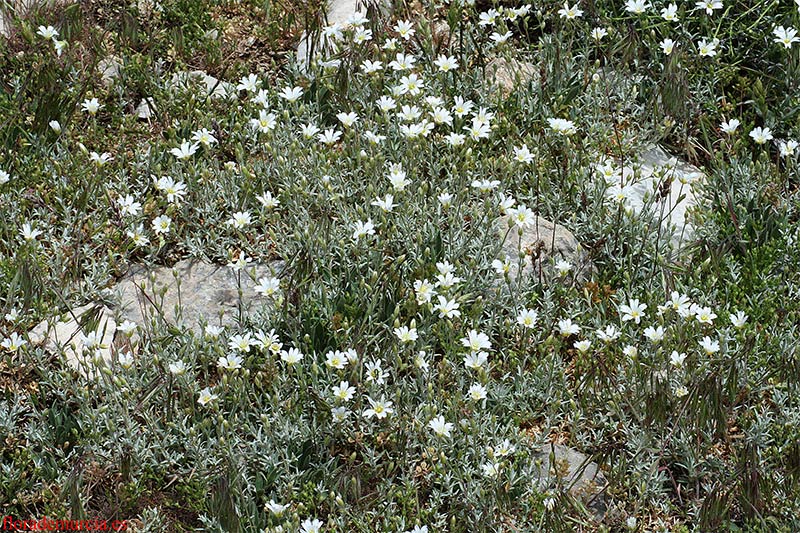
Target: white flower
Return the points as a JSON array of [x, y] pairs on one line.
[[667, 45], [420, 361], [375, 373], [240, 219], [249, 83], [582, 346], [681, 391], [730, 126], [177, 368], [709, 346], [709, 5], [267, 286], [47, 32], [637, 7], [609, 334], [406, 334], [785, 36], [347, 119], [569, 13], [343, 392], [654, 335], [368, 67], [599, 33], [788, 148], [184, 151], [91, 106], [476, 392], [291, 94], [308, 131], [632, 311], [499, 38], [562, 126], [446, 63], [204, 137], [268, 201], [339, 413], [527, 318], [230, 362], [276, 508], [128, 206], [567, 328], [127, 327], [676, 359], [329, 136], [563, 267], [447, 308], [13, 342], [206, 396], [265, 122], [491, 469], [738, 319], [475, 360], [706, 48], [161, 224], [125, 360], [311, 526], [336, 359], [424, 291], [403, 62], [704, 315], [379, 408], [440, 427], [670, 13], [761, 135], [476, 341], [28, 232], [385, 204], [405, 29], [362, 229], [291, 356]]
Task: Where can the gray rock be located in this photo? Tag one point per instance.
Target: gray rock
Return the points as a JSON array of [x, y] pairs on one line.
[[339, 12], [543, 243], [145, 109], [507, 74], [109, 69], [185, 296], [68, 333], [564, 468], [191, 293], [214, 87], [677, 181]]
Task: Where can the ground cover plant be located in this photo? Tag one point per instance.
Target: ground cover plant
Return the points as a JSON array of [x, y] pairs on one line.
[[401, 376]]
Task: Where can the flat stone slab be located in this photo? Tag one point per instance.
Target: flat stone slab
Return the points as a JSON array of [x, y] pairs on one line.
[[339, 14], [543, 243], [191, 293], [187, 296], [568, 469]]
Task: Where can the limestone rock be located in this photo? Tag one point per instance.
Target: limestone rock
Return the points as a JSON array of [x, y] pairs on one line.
[[190, 293], [145, 109], [569, 469], [506, 74], [73, 331], [543, 243], [109, 69], [660, 170], [339, 13], [662, 186], [185, 296], [214, 87]]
